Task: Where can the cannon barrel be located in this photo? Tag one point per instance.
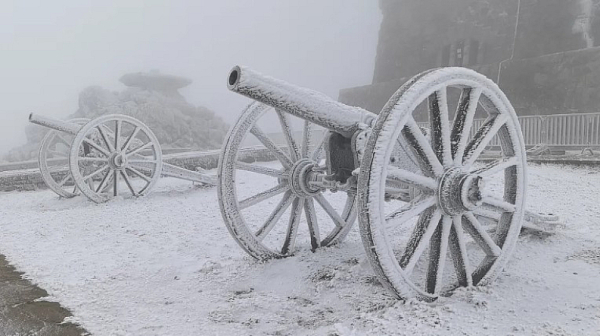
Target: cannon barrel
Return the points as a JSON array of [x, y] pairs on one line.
[[58, 125], [303, 103]]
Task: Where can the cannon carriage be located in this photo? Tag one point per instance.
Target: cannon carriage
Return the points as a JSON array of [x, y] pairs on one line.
[[431, 217], [112, 155]]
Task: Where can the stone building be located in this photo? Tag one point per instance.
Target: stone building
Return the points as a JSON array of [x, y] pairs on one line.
[[542, 53]]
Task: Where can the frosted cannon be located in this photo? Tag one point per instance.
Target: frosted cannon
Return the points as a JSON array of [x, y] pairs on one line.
[[106, 157], [432, 216]]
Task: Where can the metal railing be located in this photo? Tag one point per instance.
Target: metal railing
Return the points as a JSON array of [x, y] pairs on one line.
[[561, 131], [566, 131]]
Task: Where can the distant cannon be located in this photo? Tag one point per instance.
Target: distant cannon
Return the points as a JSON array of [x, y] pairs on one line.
[[109, 156], [412, 192]]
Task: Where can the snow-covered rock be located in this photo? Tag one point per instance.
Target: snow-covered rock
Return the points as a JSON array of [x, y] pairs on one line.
[[152, 98]]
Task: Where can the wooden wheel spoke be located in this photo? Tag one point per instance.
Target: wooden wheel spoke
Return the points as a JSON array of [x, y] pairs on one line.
[[458, 251], [404, 176], [103, 183], [60, 138], [420, 237], [118, 129], [481, 237], [463, 122], [96, 172], [292, 231], [139, 149], [497, 166], [352, 213], [421, 148], [90, 184], [65, 179], [96, 147], [267, 142], [260, 169], [109, 132], [482, 269], [250, 201], [115, 183], [313, 226], [306, 139], [288, 134], [482, 138], [130, 139], [104, 137], [437, 256], [408, 152], [139, 174], [337, 219], [440, 126], [408, 211], [285, 203], [128, 182], [316, 154]]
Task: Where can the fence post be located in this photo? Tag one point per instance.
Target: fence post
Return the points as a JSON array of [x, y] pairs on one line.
[[544, 136]]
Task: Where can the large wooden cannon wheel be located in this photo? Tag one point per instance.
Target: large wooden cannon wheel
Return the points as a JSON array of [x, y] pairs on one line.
[[53, 161], [105, 157], [455, 193], [264, 238]]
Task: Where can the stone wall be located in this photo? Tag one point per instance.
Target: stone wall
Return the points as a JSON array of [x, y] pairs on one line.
[[567, 82], [541, 52], [417, 35], [551, 26]]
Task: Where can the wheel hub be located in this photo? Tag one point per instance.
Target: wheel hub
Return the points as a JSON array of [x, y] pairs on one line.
[[459, 192], [118, 161], [300, 177]]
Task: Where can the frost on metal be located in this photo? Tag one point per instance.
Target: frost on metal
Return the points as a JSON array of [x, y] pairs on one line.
[[304, 103], [419, 189], [109, 156]]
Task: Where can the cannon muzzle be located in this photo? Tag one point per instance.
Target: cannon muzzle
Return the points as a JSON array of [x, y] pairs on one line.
[[303, 103], [58, 125]]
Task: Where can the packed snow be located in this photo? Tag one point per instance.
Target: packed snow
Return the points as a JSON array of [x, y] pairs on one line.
[[166, 265]]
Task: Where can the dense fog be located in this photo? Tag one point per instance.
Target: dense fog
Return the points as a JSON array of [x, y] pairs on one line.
[[51, 51]]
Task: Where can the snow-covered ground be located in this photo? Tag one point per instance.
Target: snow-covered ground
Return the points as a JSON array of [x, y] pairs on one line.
[[166, 265]]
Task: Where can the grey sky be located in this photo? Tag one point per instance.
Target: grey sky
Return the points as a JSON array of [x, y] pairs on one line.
[[51, 50]]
